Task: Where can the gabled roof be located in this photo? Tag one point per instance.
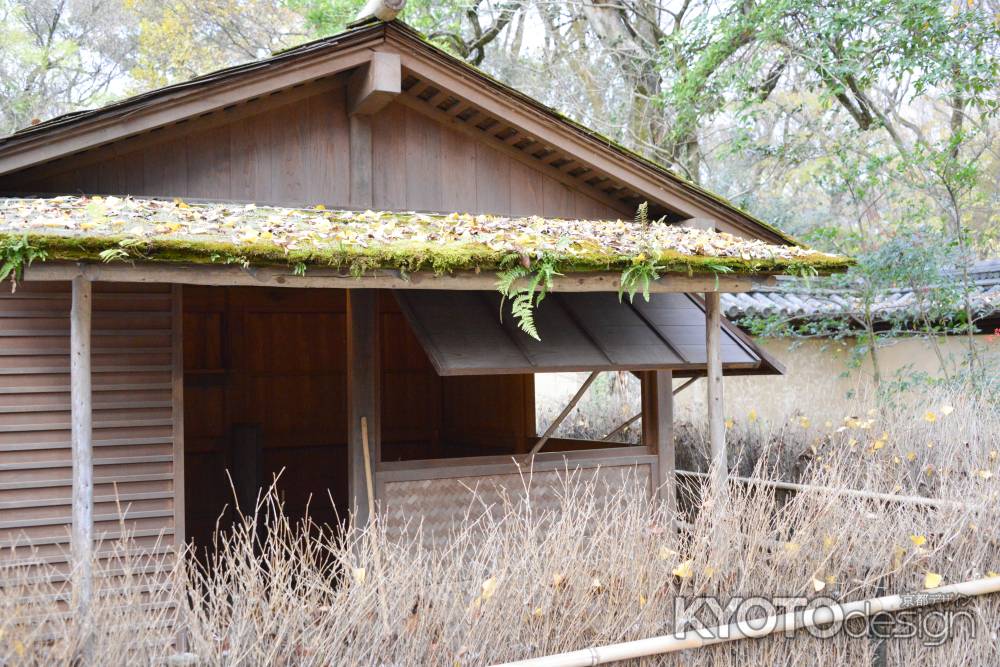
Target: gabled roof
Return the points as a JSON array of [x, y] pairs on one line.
[[81, 228], [437, 84]]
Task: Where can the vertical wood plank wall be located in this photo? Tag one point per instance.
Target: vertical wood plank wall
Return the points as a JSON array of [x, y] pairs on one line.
[[295, 151], [134, 417]]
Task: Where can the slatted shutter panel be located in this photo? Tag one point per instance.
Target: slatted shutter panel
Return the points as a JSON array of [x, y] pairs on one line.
[[135, 391]]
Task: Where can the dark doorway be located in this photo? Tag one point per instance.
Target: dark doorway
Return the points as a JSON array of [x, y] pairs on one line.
[[264, 393]]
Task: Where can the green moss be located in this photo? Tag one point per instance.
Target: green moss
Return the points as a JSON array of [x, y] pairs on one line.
[[407, 257]]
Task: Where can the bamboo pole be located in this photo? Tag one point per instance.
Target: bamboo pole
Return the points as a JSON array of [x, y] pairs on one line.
[[853, 493], [756, 628], [565, 413], [81, 432], [713, 378]]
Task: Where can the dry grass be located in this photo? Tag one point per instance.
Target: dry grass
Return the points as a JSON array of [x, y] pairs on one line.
[[517, 583]]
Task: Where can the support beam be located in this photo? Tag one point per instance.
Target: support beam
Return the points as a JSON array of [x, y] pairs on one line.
[[81, 433], [658, 431], [318, 277], [713, 379], [565, 413], [360, 134], [375, 84], [363, 395]]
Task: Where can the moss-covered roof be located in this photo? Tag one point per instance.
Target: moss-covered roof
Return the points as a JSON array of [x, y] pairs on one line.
[[114, 228]]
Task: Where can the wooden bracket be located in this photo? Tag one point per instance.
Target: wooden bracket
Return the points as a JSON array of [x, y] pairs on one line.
[[375, 84]]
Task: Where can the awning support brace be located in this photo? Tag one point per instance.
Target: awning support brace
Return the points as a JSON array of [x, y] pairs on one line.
[[565, 413]]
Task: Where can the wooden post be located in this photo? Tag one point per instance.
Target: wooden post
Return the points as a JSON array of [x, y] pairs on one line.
[[716, 408], [363, 395], [374, 85], [81, 431], [658, 430]]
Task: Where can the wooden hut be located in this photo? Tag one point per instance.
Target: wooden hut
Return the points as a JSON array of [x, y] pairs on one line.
[[241, 271]]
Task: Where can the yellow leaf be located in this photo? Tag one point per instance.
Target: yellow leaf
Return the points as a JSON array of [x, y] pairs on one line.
[[752, 416], [709, 571], [729, 422], [985, 474], [911, 456], [792, 548], [319, 207], [19, 648], [830, 579], [932, 580], [804, 422], [930, 417], [828, 542], [642, 600], [684, 570], [992, 574], [918, 540], [537, 612], [489, 588], [993, 455]]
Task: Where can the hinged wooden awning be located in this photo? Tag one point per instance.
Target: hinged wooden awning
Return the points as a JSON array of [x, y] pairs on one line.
[[463, 334]]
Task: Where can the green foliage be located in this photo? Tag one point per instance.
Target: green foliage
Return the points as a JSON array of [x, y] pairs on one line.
[[642, 214], [526, 285], [637, 277], [15, 254], [918, 264]]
